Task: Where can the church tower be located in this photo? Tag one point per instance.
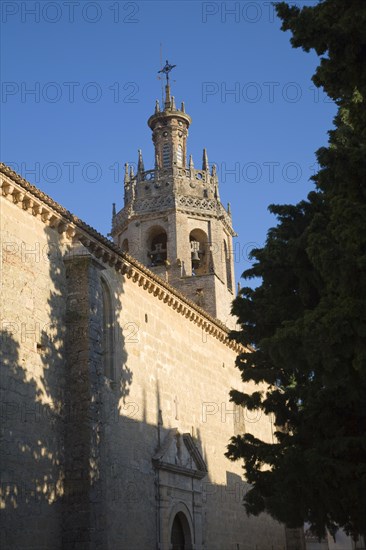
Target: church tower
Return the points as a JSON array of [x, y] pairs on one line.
[[173, 221]]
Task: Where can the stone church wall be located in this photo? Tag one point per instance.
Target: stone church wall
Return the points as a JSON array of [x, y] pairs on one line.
[[100, 369], [171, 365]]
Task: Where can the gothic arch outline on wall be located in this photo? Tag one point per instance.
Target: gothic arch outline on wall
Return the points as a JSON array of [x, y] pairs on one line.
[[181, 510], [108, 323]]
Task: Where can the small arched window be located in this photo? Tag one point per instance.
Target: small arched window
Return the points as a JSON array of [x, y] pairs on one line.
[[124, 245], [180, 156], [108, 336], [166, 155]]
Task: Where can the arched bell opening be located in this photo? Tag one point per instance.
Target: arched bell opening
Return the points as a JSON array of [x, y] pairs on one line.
[[157, 246], [199, 252], [181, 538]]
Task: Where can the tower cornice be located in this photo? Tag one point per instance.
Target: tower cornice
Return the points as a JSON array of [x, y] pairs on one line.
[[162, 116]]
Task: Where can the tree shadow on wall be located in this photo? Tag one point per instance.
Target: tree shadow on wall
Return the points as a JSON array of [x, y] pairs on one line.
[[31, 456], [52, 385]]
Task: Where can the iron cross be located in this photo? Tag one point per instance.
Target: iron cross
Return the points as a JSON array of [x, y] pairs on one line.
[[166, 70]]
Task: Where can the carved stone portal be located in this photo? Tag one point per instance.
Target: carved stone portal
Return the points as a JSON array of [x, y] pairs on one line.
[[180, 469]]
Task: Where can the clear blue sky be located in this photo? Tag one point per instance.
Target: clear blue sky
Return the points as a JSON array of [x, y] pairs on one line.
[[93, 66]]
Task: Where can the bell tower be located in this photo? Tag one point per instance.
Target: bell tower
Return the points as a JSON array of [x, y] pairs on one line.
[[173, 221]]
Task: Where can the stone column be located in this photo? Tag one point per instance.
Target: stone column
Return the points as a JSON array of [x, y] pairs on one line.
[[83, 521]]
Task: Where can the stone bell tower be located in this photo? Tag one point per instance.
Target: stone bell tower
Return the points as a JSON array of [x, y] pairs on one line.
[[173, 221]]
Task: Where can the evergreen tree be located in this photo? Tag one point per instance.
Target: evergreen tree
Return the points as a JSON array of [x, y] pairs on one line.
[[306, 322]]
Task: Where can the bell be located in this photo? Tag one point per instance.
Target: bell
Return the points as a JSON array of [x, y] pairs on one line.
[[195, 259], [159, 259], [195, 245]]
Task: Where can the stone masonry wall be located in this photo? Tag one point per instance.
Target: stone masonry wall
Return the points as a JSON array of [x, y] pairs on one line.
[[172, 374], [33, 286]]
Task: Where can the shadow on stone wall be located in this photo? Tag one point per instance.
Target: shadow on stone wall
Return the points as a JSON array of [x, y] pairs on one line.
[[31, 458], [52, 382], [32, 387]]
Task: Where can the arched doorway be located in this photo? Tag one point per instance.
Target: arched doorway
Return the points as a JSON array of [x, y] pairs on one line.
[[181, 533]]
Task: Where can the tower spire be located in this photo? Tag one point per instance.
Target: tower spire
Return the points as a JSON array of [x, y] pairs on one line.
[[140, 164], [170, 130], [168, 101], [166, 70], [205, 160], [127, 177]]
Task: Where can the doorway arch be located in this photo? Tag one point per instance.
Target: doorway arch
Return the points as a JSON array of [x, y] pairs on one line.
[[180, 536]]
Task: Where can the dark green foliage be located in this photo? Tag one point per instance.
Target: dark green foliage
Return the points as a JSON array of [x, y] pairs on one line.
[[306, 321]]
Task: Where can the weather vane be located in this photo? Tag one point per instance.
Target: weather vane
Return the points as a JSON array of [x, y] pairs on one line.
[[166, 70]]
